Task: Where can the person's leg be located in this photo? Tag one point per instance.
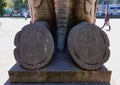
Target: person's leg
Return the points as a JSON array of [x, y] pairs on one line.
[[103, 26]]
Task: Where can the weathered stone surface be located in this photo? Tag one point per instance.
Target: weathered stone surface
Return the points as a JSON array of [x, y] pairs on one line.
[[74, 11], [88, 46], [34, 46], [85, 10], [62, 16], [42, 10], [61, 69], [72, 83], [63, 76]]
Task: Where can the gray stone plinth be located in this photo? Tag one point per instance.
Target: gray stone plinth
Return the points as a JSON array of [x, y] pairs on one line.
[[61, 69], [8, 83]]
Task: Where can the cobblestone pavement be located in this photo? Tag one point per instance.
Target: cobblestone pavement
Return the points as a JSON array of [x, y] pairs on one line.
[[10, 26]]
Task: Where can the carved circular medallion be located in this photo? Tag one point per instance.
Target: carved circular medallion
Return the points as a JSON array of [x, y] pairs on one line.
[[88, 46], [34, 46]]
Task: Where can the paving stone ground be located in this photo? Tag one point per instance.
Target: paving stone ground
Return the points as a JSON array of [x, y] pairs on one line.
[[10, 26]]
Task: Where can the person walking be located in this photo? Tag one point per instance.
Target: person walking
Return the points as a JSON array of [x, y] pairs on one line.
[[25, 15], [0, 24], [107, 20]]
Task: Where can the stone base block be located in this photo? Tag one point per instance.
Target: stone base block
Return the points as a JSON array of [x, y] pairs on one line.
[[72, 83], [22, 75], [61, 69]]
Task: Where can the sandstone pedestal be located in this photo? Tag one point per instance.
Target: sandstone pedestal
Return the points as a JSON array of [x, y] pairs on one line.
[[61, 69]]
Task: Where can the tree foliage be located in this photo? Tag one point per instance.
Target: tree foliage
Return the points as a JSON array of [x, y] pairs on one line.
[[16, 4], [2, 5], [10, 4], [24, 1]]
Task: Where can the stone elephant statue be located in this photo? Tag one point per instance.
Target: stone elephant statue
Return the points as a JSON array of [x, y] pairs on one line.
[[43, 10], [71, 23], [82, 10]]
